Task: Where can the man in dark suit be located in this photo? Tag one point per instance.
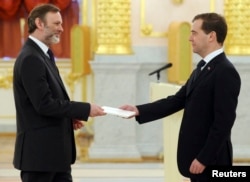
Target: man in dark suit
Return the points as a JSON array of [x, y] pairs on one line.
[[209, 100], [45, 144]]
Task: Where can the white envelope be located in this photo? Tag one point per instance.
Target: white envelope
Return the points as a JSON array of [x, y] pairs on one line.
[[118, 112]]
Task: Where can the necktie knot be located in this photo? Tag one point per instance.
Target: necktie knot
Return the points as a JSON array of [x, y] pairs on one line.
[[201, 64]]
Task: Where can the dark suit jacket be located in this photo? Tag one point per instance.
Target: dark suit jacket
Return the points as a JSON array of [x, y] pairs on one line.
[[209, 113], [45, 137]]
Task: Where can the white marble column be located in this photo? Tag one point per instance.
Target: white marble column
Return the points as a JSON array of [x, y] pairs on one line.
[[121, 80], [240, 136]]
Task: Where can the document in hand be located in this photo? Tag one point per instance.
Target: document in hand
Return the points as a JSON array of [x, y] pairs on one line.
[[118, 112]]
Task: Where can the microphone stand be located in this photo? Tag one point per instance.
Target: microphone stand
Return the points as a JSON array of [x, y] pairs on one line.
[[159, 70], [158, 76]]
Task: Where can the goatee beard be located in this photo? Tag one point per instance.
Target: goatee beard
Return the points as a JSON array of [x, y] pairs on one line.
[[55, 40]]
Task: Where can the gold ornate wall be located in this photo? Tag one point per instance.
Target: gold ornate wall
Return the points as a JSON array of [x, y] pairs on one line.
[[6, 78], [237, 15], [113, 27]]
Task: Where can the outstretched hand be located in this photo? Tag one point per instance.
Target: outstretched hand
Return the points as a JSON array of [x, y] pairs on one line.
[[96, 110], [130, 108]]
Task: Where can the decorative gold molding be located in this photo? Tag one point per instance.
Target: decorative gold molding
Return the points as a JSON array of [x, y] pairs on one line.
[[93, 39], [80, 49], [212, 5], [6, 71], [237, 15], [147, 29], [6, 79], [71, 79], [177, 1], [180, 52], [84, 12], [114, 160], [7, 116], [113, 23]]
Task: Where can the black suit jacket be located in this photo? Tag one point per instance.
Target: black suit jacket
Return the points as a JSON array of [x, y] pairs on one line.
[[209, 113], [45, 137]]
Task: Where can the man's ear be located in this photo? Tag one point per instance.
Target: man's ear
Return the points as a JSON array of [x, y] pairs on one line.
[[213, 36], [39, 23]]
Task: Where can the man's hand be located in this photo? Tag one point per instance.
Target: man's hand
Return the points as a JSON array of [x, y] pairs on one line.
[[196, 167], [130, 108], [96, 110], [77, 124]]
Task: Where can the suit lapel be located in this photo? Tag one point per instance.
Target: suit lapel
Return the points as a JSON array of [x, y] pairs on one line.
[[209, 68], [54, 70], [189, 83], [51, 66]]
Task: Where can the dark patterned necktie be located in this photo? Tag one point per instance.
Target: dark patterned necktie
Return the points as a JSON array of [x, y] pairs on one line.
[[51, 56], [198, 69]]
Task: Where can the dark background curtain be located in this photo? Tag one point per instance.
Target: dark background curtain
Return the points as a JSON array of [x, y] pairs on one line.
[[10, 31], [11, 11]]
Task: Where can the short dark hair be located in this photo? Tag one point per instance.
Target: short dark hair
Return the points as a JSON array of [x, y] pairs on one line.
[[39, 12], [213, 22]]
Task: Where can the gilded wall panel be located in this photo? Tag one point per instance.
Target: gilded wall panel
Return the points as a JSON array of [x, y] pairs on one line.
[[113, 27], [237, 15]]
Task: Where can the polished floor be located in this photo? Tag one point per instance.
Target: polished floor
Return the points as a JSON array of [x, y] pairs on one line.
[[88, 172], [108, 172], [152, 171]]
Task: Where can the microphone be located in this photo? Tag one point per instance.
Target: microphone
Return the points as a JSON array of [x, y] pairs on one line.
[[162, 68]]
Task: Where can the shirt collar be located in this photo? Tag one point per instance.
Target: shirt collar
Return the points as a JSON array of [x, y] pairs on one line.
[[40, 44], [212, 55]]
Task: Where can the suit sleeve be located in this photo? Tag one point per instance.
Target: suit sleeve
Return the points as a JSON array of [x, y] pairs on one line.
[[162, 108]]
